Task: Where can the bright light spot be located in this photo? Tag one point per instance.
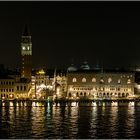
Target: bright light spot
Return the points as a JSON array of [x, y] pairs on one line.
[[34, 104], [11, 104], [73, 104], [131, 104], [71, 88], [94, 104], [42, 72], [114, 103], [42, 86]]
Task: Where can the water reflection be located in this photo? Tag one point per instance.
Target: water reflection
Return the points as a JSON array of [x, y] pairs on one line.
[[75, 120]]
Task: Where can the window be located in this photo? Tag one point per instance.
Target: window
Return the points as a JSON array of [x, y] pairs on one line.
[[94, 80], [101, 81], [109, 80], [77, 94], [74, 80], [102, 89], [69, 94], [128, 81], [17, 87], [20, 87], [24, 87], [119, 81], [84, 80]]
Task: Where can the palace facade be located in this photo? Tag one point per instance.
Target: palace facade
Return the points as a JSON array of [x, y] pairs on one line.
[[95, 85]]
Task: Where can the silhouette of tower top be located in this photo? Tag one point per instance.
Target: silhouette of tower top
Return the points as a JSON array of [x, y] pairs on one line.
[[26, 31]]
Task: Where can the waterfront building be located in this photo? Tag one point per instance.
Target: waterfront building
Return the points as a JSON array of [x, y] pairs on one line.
[[22, 88], [7, 87], [93, 84], [12, 88]]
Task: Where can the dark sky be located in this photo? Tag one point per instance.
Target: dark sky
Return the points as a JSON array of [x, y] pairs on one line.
[[66, 32]]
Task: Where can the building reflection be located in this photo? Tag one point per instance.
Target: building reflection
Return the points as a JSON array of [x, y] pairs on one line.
[[125, 123]]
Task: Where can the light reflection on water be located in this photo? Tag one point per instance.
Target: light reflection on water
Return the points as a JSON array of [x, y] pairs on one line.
[[93, 120]]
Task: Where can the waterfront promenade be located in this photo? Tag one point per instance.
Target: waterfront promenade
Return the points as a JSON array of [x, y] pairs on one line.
[[39, 103]]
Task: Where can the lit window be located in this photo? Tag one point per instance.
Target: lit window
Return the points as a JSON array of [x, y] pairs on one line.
[[84, 80], [101, 81], [74, 80], [128, 81], [109, 80], [102, 89], [119, 81], [23, 48], [94, 80]]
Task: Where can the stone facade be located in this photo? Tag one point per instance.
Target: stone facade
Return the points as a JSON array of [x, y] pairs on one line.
[[98, 85], [11, 89]]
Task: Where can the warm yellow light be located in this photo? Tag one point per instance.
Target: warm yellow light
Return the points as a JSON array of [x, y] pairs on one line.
[[42, 72]]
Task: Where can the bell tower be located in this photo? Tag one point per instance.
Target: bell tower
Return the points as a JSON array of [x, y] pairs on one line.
[[26, 54]]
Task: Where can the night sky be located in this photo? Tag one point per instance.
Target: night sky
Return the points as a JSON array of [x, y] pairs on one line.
[[107, 33]]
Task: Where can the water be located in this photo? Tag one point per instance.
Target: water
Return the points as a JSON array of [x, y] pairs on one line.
[[75, 121]]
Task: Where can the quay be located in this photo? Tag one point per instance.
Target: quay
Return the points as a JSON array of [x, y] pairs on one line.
[[61, 103]]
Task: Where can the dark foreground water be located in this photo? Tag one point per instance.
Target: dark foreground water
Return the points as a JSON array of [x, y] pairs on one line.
[[84, 121]]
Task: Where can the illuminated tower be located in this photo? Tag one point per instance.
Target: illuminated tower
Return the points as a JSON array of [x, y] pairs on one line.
[[26, 53]]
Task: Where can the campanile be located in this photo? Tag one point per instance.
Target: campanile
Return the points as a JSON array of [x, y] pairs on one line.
[[26, 54]]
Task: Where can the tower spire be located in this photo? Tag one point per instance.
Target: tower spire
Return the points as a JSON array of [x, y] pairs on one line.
[[26, 31]]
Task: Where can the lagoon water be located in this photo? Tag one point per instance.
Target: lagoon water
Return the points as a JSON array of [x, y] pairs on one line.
[[75, 121]]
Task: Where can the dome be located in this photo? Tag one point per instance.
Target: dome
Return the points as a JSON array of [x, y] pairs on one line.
[[85, 66], [72, 68]]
